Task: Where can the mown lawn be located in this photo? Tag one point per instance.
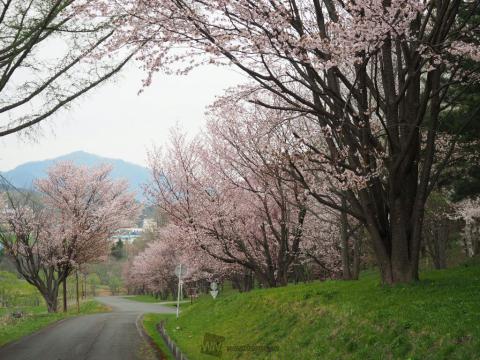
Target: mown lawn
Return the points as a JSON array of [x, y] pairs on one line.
[[436, 318], [37, 317]]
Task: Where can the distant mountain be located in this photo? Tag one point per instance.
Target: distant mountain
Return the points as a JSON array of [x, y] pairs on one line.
[[23, 175]]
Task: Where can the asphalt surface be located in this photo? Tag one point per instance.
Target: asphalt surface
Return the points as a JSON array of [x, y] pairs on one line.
[[110, 336]]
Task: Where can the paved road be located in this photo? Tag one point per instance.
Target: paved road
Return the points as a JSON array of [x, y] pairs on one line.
[[109, 336]]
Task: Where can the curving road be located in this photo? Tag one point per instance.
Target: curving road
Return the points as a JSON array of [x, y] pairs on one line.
[[109, 336]]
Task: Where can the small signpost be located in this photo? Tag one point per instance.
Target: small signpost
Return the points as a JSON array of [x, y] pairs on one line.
[[214, 289], [180, 271]]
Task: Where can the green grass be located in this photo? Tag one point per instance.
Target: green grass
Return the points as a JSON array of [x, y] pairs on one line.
[[143, 298], [37, 317], [152, 299], [436, 318], [183, 305]]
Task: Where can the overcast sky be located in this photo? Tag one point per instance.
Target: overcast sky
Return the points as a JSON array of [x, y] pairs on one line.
[[114, 121]]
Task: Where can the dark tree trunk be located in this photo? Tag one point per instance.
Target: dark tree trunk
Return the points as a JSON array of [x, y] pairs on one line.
[[397, 246], [77, 291], [282, 277], [243, 282], [266, 279], [64, 287], [51, 305], [439, 250], [396, 266], [436, 233], [51, 299], [356, 256], [476, 241], [247, 281], [344, 238], [236, 283], [84, 286]]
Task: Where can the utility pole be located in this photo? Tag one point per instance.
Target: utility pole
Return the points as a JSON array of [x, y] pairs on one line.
[[180, 271]]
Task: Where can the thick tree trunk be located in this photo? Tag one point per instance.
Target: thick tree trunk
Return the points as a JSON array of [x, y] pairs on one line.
[[51, 299], [282, 277], [397, 266], [266, 279], [394, 272], [397, 246], [51, 305]]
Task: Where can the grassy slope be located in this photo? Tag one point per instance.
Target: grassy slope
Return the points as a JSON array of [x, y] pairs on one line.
[[437, 318], [150, 322], [37, 317]]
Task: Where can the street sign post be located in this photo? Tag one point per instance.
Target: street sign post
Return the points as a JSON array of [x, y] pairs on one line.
[[180, 271]]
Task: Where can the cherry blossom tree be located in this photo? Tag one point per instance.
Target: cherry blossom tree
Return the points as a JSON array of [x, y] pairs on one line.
[[152, 270], [246, 153], [321, 247], [371, 75], [469, 211], [227, 190], [256, 144], [23, 236], [80, 209], [265, 142]]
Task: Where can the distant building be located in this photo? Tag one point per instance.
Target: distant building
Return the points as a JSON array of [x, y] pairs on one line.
[[127, 234], [149, 224]]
